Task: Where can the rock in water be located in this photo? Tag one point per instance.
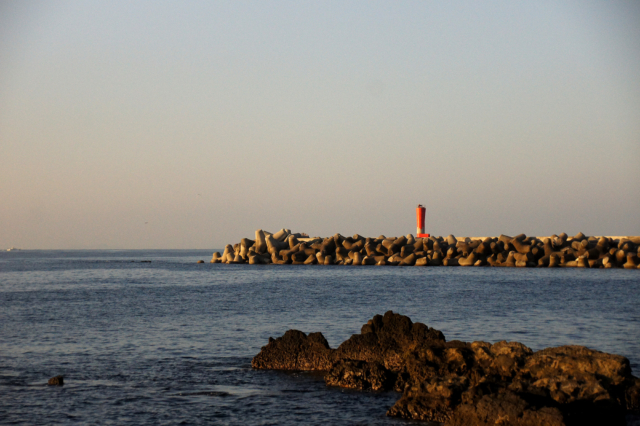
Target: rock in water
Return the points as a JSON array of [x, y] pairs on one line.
[[56, 381], [295, 351], [505, 408], [432, 401], [459, 383], [385, 339], [360, 375]]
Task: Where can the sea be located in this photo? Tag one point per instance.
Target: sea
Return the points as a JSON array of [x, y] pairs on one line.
[[150, 337]]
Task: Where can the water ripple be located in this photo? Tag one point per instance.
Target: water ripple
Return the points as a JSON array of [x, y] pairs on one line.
[[171, 341]]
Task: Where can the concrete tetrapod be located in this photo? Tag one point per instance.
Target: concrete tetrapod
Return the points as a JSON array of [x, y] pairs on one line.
[[261, 242]]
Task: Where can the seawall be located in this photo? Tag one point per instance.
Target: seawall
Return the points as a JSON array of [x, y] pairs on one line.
[[285, 247]]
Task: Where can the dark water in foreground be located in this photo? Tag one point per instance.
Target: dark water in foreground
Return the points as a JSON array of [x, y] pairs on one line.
[[171, 341]]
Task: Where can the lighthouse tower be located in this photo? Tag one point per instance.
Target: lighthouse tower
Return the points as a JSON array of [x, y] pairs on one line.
[[420, 211]]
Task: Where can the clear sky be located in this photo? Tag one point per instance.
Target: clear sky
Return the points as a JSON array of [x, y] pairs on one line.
[[184, 124]]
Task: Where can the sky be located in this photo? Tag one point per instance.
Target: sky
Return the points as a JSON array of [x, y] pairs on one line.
[[187, 124]]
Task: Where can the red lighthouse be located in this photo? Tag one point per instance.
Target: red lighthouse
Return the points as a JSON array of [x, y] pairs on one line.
[[420, 211]]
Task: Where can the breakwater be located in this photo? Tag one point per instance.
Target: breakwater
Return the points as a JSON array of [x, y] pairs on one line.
[[285, 247]]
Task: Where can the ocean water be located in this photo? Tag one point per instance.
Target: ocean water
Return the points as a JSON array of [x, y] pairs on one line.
[[151, 337]]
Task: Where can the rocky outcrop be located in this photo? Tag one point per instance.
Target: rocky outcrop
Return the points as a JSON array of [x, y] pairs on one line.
[[460, 383], [285, 247], [360, 375], [580, 382], [386, 339], [295, 351], [56, 381], [506, 408], [476, 361]]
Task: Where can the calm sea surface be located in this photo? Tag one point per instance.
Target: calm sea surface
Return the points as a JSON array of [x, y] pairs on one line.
[[171, 341]]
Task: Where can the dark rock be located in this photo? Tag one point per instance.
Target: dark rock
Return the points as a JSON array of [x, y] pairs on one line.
[[581, 383], [504, 408], [476, 361], [360, 375], [295, 351], [56, 381], [575, 373], [632, 394], [433, 400], [385, 339], [459, 383]]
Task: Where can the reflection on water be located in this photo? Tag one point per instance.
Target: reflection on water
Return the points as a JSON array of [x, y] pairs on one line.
[[171, 340]]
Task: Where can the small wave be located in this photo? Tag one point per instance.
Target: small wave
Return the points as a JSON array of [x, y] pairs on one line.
[[204, 393]]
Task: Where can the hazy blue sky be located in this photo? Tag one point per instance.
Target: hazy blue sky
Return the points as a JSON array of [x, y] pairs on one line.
[[191, 124]]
